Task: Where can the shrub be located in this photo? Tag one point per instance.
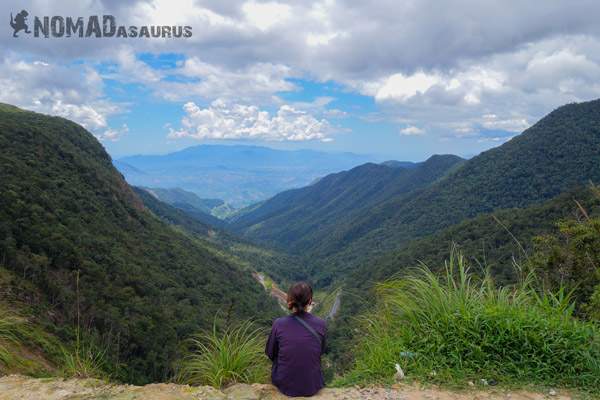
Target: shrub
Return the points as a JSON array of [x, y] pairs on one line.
[[234, 356], [463, 327]]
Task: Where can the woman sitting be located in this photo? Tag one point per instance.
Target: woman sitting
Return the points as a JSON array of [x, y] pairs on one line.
[[295, 346]]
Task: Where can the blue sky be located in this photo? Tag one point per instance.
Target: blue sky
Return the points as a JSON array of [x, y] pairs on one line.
[[386, 78], [357, 129]]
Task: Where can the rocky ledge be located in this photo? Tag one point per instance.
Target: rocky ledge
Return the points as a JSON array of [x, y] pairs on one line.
[[26, 388]]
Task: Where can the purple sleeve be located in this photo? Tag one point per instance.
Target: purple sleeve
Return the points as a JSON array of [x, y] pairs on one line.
[[272, 347]]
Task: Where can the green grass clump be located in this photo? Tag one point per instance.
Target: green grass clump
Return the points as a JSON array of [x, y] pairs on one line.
[[219, 359], [85, 360], [453, 327]]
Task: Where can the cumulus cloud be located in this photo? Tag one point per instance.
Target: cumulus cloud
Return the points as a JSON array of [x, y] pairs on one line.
[[113, 135], [447, 71], [70, 92], [236, 121], [412, 131], [256, 83]]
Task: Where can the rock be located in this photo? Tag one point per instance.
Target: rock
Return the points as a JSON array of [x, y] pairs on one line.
[[484, 382], [242, 391], [470, 383], [552, 392]]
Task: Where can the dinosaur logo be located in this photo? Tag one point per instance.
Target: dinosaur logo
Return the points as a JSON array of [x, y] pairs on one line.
[[19, 22]]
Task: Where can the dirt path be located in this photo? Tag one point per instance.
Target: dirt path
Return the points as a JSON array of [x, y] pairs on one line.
[[15, 387]]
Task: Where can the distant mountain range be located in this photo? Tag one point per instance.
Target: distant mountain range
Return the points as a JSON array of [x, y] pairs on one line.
[[207, 210], [239, 175]]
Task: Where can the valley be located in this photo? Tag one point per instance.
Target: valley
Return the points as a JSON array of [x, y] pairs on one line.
[[149, 267]]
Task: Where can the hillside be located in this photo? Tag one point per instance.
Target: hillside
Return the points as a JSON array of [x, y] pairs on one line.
[[239, 175], [559, 152], [143, 285]]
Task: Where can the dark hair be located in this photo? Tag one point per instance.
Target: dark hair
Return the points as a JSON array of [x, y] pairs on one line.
[[299, 296]]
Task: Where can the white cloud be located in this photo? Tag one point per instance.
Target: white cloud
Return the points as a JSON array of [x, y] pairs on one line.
[[265, 15], [133, 70], [412, 131], [70, 92], [440, 71], [400, 87], [113, 135], [257, 83], [222, 120]]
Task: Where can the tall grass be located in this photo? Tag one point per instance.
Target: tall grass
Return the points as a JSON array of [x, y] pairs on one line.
[[25, 347], [86, 359], [456, 326], [218, 359], [13, 330]]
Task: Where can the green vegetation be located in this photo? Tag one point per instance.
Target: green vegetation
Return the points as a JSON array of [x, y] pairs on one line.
[[144, 285], [493, 240], [25, 347], [85, 360], [235, 355], [571, 258], [458, 327]]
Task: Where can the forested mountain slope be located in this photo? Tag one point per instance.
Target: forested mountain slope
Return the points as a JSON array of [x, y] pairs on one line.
[[495, 240], [559, 152], [143, 286], [303, 219]]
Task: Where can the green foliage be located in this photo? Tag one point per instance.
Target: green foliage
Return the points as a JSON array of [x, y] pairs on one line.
[[462, 326], [571, 258], [235, 355], [144, 285]]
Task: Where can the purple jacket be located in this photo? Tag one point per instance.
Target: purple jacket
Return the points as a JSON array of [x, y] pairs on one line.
[[296, 355]]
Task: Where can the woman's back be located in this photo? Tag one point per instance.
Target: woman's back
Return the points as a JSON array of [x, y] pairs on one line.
[[296, 354]]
